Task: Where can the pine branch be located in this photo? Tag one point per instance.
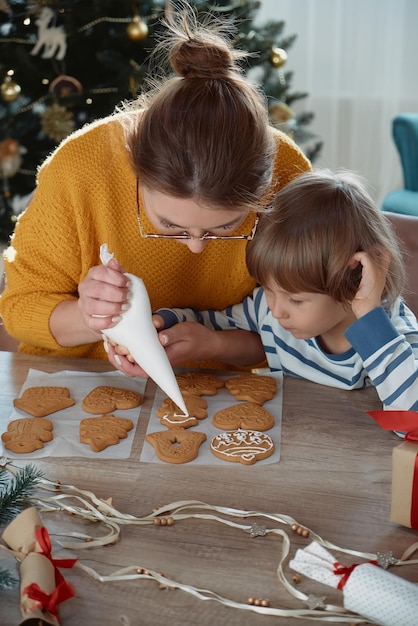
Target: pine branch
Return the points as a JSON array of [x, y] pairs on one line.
[[15, 492], [7, 580]]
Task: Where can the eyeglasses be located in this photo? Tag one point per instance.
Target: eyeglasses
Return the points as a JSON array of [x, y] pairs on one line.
[[185, 235]]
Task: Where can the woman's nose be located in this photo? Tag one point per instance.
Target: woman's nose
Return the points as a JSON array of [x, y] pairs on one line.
[[196, 245]]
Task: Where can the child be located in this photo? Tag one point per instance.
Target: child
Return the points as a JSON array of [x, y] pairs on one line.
[[329, 308]]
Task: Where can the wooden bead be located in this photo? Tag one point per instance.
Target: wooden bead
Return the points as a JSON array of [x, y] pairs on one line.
[[250, 600], [157, 521], [170, 521], [296, 579], [294, 527], [265, 602]]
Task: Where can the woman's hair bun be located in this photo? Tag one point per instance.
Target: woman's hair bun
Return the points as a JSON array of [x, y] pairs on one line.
[[201, 50], [199, 58]]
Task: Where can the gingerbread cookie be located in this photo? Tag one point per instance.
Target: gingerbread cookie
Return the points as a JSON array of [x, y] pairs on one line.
[[176, 445], [27, 434], [106, 430], [171, 416], [105, 399], [242, 446], [247, 415], [252, 387], [41, 401], [199, 384]]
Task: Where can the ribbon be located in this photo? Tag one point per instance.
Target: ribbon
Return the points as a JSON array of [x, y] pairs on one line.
[[406, 421], [49, 602], [345, 570], [44, 541], [414, 498]]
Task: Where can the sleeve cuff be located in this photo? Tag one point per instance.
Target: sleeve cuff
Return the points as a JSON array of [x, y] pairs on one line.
[[170, 318], [371, 332]]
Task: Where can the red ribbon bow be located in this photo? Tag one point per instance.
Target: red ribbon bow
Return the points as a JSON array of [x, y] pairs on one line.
[[406, 421], [49, 602], [345, 570], [44, 541]]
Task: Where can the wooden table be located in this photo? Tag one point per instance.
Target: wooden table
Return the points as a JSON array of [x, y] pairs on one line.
[[334, 477]]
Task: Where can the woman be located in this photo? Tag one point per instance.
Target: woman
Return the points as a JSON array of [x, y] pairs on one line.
[[172, 183]]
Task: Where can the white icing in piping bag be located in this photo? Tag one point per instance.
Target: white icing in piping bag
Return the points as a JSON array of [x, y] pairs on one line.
[[138, 334]]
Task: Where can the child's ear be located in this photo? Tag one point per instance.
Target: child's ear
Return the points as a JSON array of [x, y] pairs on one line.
[[355, 272], [353, 263]]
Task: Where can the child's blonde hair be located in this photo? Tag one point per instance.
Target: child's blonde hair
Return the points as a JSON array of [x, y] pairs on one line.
[[315, 225], [204, 133]]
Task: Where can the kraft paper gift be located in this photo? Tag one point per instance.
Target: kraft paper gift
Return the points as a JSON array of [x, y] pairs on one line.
[[404, 506], [42, 586]]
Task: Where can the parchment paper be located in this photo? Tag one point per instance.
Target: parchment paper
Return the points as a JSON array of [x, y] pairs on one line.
[[66, 441], [222, 400]]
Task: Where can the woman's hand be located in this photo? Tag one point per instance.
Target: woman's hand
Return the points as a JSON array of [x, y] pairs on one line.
[[372, 284], [103, 296]]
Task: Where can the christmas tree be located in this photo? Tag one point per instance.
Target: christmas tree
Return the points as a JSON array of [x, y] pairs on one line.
[[64, 63]]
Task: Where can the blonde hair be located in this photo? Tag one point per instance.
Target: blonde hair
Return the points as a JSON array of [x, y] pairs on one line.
[[315, 224], [204, 132]]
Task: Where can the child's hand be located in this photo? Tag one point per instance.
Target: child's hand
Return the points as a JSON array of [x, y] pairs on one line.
[[190, 341], [372, 284]]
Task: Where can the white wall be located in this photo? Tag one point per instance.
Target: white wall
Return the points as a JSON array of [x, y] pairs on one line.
[[358, 61]]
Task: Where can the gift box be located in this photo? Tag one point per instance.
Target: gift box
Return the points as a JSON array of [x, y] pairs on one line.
[[404, 508], [404, 505]]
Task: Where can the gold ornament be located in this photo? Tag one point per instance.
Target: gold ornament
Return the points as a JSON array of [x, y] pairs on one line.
[[137, 29], [278, 57], [10, 90], [57, 122]]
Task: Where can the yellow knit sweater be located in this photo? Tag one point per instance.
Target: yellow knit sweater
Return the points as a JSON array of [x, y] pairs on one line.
[[86, 197]]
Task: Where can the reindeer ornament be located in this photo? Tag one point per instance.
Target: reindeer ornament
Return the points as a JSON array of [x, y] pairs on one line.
[[52, 39]]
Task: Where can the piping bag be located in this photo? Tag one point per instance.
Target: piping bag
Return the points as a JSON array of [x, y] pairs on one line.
[[138, 334]]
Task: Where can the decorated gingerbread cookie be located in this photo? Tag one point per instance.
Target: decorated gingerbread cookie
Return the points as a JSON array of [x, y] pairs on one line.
[[171, 416], [242, 446]]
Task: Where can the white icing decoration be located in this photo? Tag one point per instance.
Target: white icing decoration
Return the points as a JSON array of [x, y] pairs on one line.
[[138, 334], [245, 444]]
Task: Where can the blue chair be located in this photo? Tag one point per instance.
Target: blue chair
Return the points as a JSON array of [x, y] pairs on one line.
[[405, 136]]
